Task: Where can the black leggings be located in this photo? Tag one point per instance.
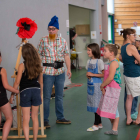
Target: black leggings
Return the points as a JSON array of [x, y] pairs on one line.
[[97, 119]]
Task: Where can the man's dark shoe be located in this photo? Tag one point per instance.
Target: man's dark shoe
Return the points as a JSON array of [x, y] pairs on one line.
[[46, 124], [63, 121]]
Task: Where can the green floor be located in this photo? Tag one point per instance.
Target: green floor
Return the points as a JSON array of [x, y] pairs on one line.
[[75, 110]]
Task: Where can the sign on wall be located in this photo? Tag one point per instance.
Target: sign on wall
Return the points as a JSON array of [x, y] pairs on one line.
[[93, 34]]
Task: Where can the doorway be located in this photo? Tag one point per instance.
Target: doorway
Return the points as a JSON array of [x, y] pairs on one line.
[[79, 21]]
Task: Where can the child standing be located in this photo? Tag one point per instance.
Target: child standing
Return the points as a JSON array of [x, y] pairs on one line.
[[4, 103], [30, 79], [108, 106], [95, 68]]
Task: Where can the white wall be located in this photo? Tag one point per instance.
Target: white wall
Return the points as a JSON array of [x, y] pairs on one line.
[[40, 11], [79, 16], [110, 6], [89, 4]]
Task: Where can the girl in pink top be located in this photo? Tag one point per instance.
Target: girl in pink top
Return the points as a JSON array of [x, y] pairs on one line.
[[110, 88]]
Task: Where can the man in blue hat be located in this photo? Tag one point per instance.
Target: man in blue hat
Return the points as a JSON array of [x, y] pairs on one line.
[[54, 51]]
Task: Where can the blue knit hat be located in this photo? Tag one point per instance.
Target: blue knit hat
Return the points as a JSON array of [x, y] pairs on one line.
[[54, 22]]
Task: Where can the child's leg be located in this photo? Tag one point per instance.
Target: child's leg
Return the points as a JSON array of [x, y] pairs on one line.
[[98, 121], [115, 123], [114, 130], [35, 121], [7, 111], [26, 119], [111, 120], [11, 99]]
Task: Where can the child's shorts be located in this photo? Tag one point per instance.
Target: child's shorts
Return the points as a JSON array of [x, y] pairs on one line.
[[3, 100], [117, 114], [30, 97]]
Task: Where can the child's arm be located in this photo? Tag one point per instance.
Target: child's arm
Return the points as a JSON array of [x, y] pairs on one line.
[[41, 84], [19, 75], [112, 70], [5, 82], [17, 81], [95, 75]]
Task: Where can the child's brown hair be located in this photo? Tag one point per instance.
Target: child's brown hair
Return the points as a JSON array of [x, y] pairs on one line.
[[32, 60], [95, 50], [113, 48]]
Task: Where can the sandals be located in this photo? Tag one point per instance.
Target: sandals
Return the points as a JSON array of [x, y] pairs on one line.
[[136, 123], [93, 128], [130, 123]]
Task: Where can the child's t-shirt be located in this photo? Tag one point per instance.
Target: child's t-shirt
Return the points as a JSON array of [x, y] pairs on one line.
[[94, 61]]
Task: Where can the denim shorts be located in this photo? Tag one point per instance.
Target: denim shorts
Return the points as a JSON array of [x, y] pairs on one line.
[[30, 97], [117, 113]]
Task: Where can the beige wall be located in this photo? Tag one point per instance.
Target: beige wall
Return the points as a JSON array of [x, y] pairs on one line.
[[79, 16], [104, 21]]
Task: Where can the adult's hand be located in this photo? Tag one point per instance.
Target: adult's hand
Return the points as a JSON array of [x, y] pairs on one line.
[[69, 73], [136, 62]]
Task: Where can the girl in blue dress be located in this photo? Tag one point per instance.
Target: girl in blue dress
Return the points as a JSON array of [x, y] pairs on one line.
[[95, 71]]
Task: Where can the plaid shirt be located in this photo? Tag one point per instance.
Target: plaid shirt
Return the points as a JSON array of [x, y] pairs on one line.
[[52, 51]]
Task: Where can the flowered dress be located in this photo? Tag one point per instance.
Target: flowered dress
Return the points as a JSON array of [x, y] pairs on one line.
[[109, 102]]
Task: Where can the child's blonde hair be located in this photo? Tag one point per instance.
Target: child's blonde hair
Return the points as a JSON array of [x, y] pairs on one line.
[[113, 48]]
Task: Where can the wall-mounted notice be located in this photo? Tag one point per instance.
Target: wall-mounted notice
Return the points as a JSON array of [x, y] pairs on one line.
[[93, 34], [119, 26]]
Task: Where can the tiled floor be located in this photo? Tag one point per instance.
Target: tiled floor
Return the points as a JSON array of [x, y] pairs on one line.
[[75, 110]]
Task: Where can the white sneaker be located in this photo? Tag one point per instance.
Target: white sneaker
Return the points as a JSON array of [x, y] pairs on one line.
[[93, 128], [99, 126]]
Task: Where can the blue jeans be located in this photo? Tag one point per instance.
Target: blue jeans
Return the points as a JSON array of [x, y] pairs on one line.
[[58, 82], [134, 103]]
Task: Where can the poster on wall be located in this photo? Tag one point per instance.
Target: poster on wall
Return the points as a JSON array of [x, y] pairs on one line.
[[119, 31], [119, 26], [93, 34]]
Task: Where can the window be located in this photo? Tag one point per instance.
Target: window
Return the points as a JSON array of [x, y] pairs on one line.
[[110, 6], [110, 29]]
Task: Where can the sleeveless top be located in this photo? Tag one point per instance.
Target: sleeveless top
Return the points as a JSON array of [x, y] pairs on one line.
[[130, 68], [2, 89], [117, 76], [28, 83]]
